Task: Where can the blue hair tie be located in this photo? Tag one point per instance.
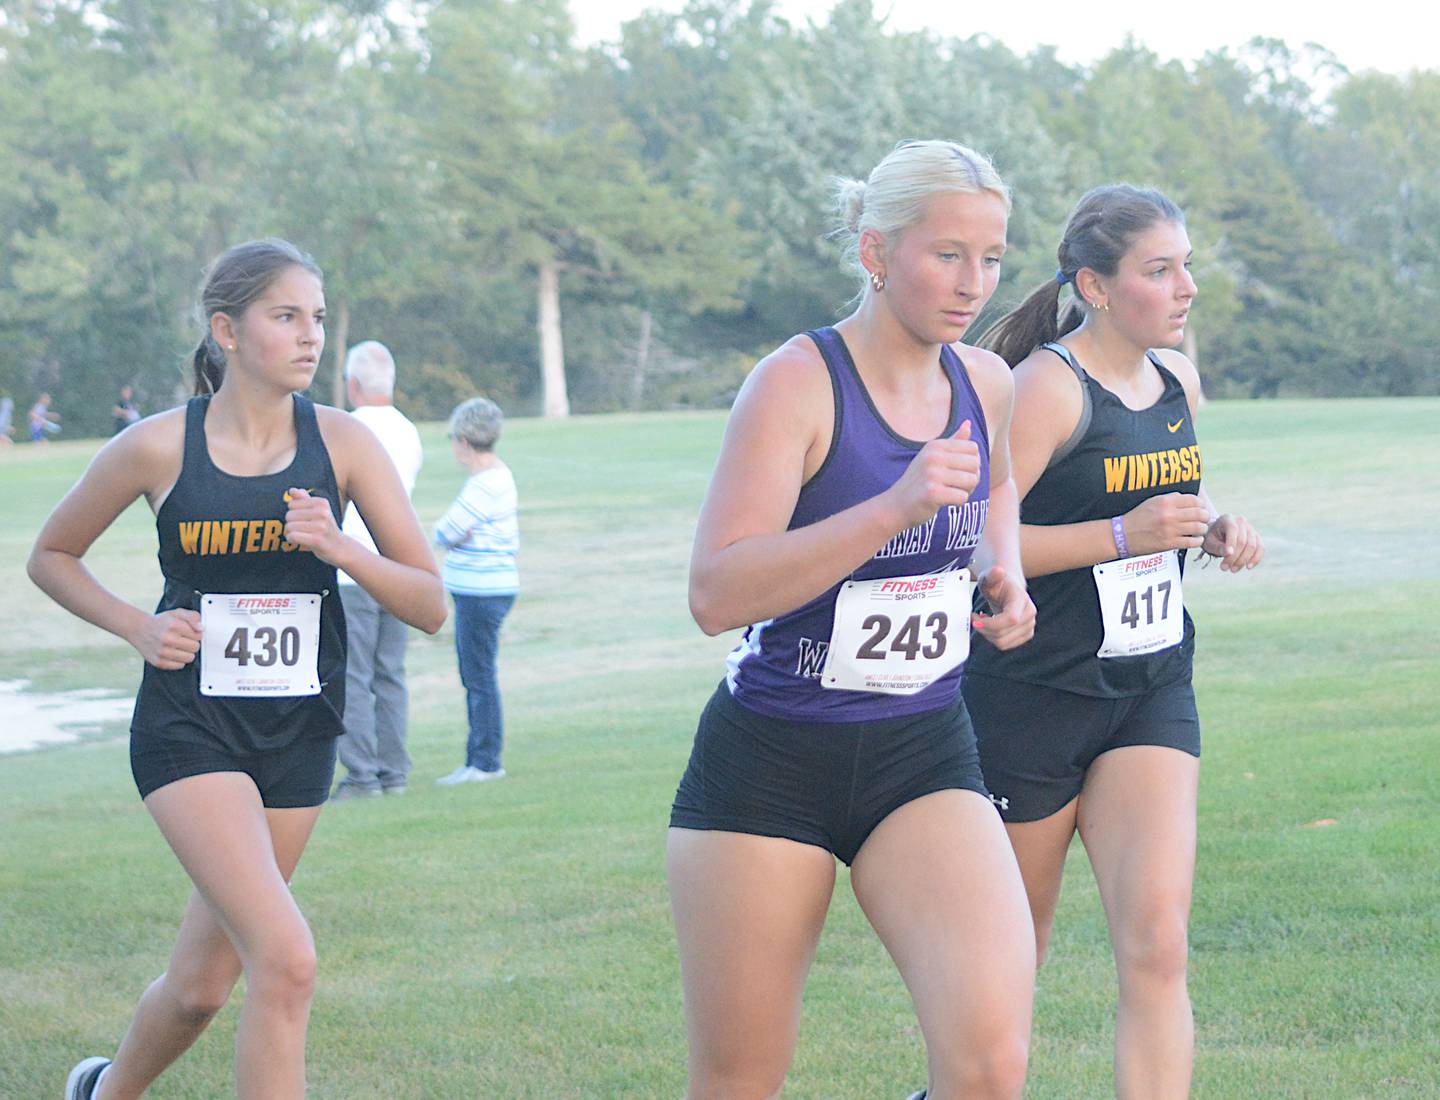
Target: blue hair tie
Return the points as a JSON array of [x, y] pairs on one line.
[[1060, 276]]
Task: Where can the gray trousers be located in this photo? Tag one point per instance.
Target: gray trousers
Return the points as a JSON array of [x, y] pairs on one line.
[[376, 700]]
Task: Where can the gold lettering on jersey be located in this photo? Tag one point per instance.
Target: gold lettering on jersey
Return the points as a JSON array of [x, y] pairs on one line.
[[206, 537], [1152, 469]]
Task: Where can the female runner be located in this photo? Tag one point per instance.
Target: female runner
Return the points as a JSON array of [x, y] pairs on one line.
[[233, 738], [864, 467], [1092, 726]]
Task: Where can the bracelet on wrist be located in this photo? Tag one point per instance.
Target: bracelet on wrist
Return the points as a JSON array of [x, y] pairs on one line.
[[1117, 529]]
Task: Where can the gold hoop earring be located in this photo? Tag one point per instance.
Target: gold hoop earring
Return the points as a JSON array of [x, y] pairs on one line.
[[1103, 307], [877, 281]]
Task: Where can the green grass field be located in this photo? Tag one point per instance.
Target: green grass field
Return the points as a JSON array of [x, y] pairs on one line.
[[512, 940]]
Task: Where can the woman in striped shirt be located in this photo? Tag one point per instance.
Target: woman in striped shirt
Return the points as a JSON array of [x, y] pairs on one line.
[[480, 537]]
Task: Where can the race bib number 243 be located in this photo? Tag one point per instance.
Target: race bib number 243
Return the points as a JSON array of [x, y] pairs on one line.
[[898, 635]]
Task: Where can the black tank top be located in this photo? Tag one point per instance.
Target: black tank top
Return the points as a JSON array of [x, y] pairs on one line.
[[1116, 458], [220, 533]]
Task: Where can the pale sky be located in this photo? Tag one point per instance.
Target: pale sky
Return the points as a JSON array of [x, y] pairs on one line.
[[1372, 34]]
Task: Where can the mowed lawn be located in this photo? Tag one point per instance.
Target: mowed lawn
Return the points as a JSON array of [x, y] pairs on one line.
[[513, 939]]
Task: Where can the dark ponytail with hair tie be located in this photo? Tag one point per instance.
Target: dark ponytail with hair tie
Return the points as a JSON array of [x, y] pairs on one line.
[[1028, 325], [208, 365]]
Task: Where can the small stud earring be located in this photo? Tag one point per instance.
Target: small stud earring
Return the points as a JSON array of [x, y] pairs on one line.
[[877, 281]]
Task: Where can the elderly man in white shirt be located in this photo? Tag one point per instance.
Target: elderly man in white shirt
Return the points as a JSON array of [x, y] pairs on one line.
[[376, 699]]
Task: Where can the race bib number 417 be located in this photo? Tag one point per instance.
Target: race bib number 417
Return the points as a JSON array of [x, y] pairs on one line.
[[260, 644], [898, 635], [1141, 604]]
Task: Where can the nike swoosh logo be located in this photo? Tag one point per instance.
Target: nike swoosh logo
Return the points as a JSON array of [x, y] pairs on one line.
[[1175, 427]]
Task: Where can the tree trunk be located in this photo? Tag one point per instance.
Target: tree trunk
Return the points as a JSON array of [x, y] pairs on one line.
[[555, 402], [340, 348], [642, 359]]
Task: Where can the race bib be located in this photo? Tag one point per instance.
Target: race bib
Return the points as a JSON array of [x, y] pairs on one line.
[[1141, 604], [260, 644], [898, 635]]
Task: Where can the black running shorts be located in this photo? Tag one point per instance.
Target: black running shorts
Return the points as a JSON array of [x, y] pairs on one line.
[[823, 783], [1036, 743], [296, 776]]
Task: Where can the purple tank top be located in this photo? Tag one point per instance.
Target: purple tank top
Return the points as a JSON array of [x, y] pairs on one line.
[[775, 669]]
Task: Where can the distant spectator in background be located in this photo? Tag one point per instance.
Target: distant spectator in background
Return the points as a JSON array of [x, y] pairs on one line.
[[7, 420], [42, 420], [124, 410], [481, 538], [376, 699]]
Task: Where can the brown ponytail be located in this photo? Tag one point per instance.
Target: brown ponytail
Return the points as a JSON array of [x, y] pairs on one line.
[[1025, 327], [208, 366]]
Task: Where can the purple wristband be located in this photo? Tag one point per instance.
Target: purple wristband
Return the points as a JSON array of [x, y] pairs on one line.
[[1117, 528]]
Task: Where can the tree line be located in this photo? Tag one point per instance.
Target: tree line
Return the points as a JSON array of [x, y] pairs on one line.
[[630, 225]]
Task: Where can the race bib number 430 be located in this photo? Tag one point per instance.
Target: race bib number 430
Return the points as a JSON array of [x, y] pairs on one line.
[[1141, 604], [260, 644], [898, 635]]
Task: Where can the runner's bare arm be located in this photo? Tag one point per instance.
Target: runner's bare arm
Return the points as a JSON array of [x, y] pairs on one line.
[[745, 566], [403, 577], [1000, 543], [1048, 404], [141, 461], [996, 564]]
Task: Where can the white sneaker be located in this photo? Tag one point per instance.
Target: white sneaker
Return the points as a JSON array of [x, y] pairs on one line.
[[463, 774], [82, 1080], [467, 774]]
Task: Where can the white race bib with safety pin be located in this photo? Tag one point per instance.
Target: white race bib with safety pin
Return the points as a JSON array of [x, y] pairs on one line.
[[898, 635], [260, 644], [1141, 604]]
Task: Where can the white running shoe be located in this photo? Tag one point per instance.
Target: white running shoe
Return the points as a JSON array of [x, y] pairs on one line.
[[463, 774], [80, 1085], [467, 774]]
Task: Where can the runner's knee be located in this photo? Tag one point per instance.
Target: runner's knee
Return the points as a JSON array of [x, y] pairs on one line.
[[285, 968], [993, 1068], [1156, 950], [198, 998], [740, 1067]]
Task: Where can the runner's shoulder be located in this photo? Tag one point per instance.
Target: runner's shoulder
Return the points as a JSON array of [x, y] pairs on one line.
[[795, 365], [147, 454], [1047, 386], [989, 374], [158, 437], [791, 384], [1046, 371]]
